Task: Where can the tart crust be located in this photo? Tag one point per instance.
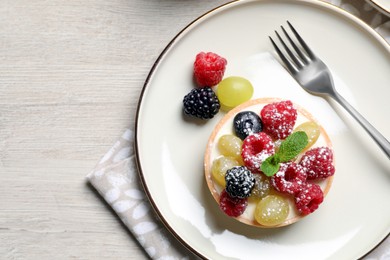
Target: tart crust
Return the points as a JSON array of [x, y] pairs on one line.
[[225, 126]]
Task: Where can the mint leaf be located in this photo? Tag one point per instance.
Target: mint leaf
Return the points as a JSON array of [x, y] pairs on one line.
[[271, 165], [292, 146], [288, 150]]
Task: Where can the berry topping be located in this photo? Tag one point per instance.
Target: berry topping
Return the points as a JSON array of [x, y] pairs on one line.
[[309, 198], [201, 103], [262, 186], [232, 207], [209, 69], [233, 91], [246, 123], [262, 168], [239, 182], [312, 130], [255, 149], [230, 145], [287, 151], [289, 179], [318, 163], [272, 210], [219, 168], [279, 119]]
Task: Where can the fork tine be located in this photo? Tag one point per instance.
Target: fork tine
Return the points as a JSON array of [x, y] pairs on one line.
[[289, 52], [297, 50], [288, 63], [301, 41]]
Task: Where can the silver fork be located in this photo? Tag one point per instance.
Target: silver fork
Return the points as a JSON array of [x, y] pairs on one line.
[[314, 76]]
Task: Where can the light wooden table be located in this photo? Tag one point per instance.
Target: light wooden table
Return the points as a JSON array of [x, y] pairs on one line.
[[71, 72]]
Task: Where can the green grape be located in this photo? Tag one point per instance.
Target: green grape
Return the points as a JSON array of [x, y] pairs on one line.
[[312, 130], [219, 168], [272, 210], [262, 186], [230, 145], [233, 91]]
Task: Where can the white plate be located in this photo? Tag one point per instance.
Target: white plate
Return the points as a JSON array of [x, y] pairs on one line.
[[355, 216], [381, 5]]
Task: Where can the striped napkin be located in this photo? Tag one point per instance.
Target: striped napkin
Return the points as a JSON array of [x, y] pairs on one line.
[[116, 179]]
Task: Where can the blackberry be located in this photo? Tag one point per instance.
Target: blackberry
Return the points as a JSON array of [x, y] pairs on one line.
[[201, 103], [239, 182], [246, 123]]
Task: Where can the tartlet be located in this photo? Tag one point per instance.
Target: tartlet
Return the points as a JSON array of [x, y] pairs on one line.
[[225, 127]]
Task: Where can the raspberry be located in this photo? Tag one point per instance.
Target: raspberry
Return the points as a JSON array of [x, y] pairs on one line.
[[232, 207], [201, 103], [290, 178], [278, 119], [255, 149], [209, 69], [318, 163], [239, 182], [309, 198]]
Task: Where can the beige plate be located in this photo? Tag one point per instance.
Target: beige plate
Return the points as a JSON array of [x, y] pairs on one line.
[[170, 148], [382, 5]]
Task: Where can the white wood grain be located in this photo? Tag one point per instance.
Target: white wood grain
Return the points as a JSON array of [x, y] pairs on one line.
[[71, 72]]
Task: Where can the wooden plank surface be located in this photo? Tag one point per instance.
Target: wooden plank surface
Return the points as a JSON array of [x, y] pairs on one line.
[[71, 72]]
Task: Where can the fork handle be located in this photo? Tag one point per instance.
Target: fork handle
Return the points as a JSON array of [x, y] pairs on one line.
[[383, 143]]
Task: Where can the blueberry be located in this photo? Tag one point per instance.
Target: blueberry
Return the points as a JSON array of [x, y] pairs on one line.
[[246, 123]]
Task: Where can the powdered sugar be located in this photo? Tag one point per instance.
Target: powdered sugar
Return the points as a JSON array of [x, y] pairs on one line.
[[279, 119], [318, 163], [290, 178], [256, 148]]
